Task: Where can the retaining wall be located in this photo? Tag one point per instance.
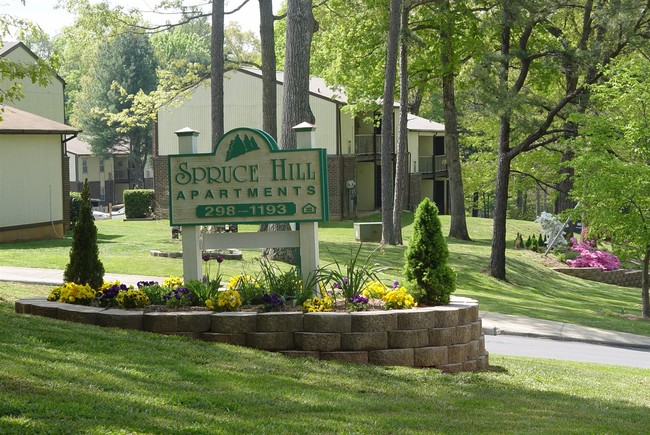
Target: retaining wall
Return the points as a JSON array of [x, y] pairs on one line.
[[622, 277], [447, 337]]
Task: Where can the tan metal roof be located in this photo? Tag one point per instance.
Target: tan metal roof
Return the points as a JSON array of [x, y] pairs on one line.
[[18, 121]]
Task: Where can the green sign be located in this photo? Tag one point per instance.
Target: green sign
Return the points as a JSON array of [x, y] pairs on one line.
[[247, 179]]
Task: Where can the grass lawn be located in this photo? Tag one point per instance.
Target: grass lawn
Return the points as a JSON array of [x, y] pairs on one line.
[[60, 377], [533, 289]]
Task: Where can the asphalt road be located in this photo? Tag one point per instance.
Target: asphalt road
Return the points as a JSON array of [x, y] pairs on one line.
[[566, 350]]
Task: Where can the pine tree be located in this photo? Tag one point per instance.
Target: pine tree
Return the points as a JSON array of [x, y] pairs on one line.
[[84, 266], [426, 257]]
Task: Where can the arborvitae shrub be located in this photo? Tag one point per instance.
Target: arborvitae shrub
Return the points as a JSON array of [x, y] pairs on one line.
[[540, 240], [426, 258], [534, 246], [519, 242], [75, 203], [529, 242], [85, 266]]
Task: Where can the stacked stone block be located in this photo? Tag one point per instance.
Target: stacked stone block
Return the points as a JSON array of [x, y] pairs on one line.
[[446, 337]]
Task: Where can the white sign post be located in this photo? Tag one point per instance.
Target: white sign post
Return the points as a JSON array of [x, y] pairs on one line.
[[247, 179], [187, 144]]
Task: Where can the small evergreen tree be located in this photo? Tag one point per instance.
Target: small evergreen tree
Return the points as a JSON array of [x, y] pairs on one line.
[[519, 242], [426, 258], [529, 242], [84, 266], [540, 240]]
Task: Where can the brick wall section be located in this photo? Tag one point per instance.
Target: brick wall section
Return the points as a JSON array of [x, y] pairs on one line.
[[161, 186], [623, 278], [447, 337]]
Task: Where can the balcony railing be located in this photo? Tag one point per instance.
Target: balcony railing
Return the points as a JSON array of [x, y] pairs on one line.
[[433, 164], [124, 174], [363, 144]]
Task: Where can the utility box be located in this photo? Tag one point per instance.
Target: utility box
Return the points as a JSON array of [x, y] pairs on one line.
[[367, 232]]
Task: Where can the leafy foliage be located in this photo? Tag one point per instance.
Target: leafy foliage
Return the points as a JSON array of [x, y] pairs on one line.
[[84, 266], [426, 257]]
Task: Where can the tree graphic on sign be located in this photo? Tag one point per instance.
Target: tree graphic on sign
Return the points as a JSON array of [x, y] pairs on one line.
[[239, 147]]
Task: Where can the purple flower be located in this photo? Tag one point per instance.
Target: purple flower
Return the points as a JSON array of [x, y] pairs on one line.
[[219, 258], [395, 284], [337, 285], [346, 281], [205, 256], [146, 283], [358, 299]]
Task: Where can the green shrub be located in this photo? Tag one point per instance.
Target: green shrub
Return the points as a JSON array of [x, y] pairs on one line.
[[138, 203], [426, 258], [84, 266]]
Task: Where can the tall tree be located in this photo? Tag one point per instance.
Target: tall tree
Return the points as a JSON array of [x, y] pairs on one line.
[[615, 203], [519, 82], [301, 26], [269, 88], [217, 70], [388, 233], [123, 68], [458, 224], [401, 154]]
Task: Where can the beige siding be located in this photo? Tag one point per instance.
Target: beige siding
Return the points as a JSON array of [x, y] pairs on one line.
[[243, 108], [30, 179], [365, 186], [347, 134], [43, 101]]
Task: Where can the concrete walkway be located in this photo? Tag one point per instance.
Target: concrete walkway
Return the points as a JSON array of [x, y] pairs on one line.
[[493, 323]]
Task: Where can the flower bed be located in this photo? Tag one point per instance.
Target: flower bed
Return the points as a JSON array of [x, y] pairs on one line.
[[446, 337]]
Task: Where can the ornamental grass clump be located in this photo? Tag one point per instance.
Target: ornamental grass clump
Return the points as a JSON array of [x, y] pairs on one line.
[[430, 278], [349, 279]]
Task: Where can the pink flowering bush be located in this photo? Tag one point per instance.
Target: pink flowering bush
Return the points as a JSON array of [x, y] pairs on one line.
[[589, 256]]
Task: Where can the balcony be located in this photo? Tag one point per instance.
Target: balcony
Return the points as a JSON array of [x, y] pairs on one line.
[[124, 175], [363, 144], [433, 165]]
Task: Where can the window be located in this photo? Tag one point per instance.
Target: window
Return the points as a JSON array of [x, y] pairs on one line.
[[101, 165], [102, 193], [84, 166]]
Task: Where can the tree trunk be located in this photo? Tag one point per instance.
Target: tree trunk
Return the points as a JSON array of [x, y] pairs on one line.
[[269, 88], [498, 254], [295, 98], [388, 235], [401, 164], [216, 70], [645, 284], [458, 227], [497, 267]]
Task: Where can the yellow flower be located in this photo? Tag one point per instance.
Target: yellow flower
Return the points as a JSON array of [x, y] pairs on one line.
[[398, 298]]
